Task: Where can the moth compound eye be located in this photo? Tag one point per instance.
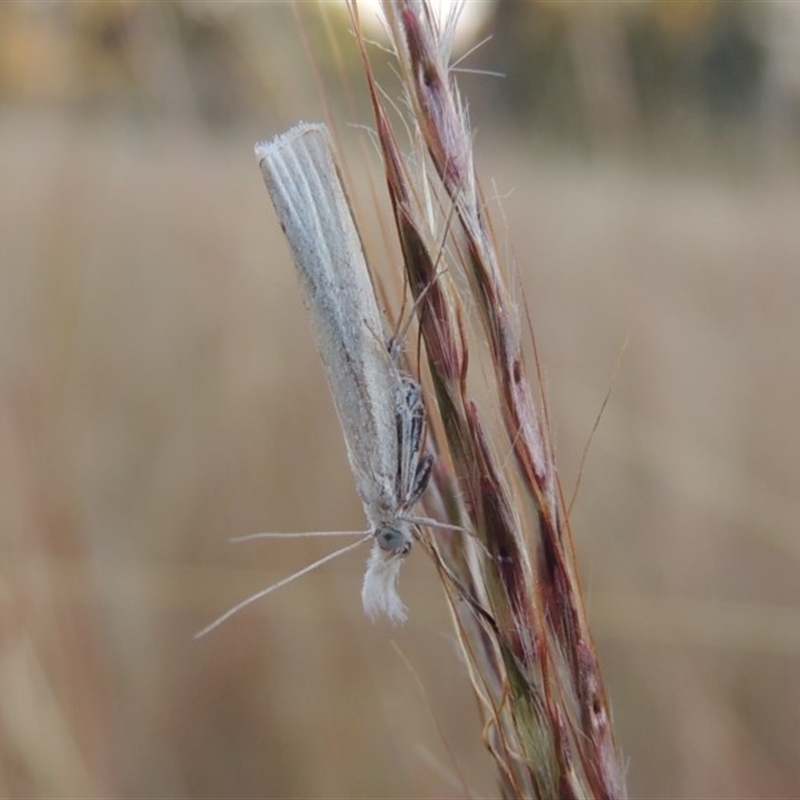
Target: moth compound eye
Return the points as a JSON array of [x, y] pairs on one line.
[[393, 541]]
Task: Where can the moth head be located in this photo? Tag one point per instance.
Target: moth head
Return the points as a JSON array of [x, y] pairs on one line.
[[394, 539]]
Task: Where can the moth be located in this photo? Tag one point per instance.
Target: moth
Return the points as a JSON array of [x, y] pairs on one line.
[[379, 405]]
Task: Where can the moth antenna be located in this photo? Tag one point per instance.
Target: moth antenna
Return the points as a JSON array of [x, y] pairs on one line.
[[433, 523], [264, 592], [300, 535], [444, 526]]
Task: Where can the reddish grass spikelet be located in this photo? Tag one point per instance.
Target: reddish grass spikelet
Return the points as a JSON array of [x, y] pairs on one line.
[[513, 587]]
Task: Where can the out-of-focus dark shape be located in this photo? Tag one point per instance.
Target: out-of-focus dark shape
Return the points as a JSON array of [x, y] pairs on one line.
[[617, 72]]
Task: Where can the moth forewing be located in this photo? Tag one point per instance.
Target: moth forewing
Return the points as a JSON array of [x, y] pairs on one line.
[[305, 186], [380, 408]]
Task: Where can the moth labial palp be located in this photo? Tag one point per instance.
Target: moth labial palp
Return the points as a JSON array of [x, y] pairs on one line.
[[379, 406]]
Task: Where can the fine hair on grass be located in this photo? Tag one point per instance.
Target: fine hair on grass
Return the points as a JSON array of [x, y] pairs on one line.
[[513, 588]]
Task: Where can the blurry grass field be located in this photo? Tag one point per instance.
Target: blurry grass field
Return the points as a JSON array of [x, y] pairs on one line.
[[159, 392]]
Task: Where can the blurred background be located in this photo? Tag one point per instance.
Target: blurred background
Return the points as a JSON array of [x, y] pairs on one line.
[[159, 393]]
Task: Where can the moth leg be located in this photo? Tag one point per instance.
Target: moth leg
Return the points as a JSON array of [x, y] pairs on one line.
[[422, 476], [412, 473]]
